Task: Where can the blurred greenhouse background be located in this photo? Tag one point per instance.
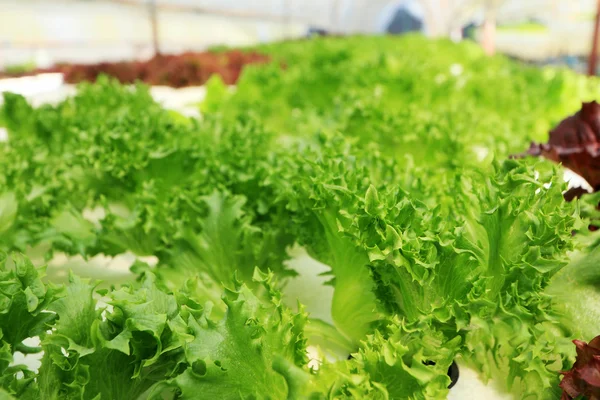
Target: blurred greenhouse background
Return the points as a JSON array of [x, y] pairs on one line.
[[44, 32]]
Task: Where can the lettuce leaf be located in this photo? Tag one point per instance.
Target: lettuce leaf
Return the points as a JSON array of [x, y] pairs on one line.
[[405, 361], [142, 342], [485, 277], [576, 291], [248, 351], [25, 299]]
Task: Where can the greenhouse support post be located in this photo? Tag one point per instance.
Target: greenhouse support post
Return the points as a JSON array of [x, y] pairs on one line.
[[154, 26], [593, 60], [488, 41]]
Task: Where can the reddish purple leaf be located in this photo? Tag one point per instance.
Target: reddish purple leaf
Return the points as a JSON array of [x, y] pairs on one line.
[[575, 143], [584, 378], [182, 70]]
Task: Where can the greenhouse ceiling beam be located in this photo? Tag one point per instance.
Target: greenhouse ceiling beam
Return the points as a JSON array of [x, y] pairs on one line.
[[220, 12]]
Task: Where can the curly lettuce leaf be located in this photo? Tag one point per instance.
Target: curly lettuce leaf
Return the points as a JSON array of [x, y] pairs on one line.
[[319, 189], [224, 248], [96, 353], [25, 299], [142, 342], [479, 269], [246, 353], [24, 314], [405, 361]]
